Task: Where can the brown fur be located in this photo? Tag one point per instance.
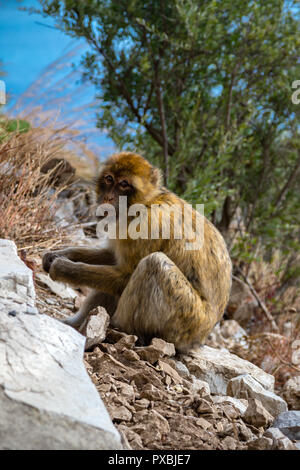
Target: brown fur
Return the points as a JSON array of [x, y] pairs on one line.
[[152, 287]]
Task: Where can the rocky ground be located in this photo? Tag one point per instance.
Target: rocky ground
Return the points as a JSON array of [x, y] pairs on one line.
[[157, 399], [210, 399], [157, 404]]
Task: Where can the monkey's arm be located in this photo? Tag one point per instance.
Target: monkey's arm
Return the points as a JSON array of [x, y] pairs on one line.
[[81, 254], [109, 279]]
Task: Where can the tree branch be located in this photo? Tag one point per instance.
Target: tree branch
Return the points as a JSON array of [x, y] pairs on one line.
[[126, 95], [162, 116], [229, 99], [260, 302], [289, 182]]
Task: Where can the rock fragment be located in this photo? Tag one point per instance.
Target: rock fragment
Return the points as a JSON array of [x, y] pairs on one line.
[[245, 386], [240, 405], [217, 367], [58, 288], [291, 392], [257, 415], [96, 327], [289, 424], [166, 349], [273, 439]]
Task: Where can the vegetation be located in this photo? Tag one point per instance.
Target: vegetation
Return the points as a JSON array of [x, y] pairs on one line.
[[203, 89], [30, 184], [26, 207]]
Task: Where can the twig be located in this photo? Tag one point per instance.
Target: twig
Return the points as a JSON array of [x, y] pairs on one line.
[[284, 362], [260, 302], [288, 184], [162, 116], [40, 244], [81, 225]]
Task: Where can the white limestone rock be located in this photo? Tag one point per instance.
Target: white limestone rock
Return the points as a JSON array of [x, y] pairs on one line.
[[245, 386], [47, 400], [58, 288], [218, 366], [16, 282]]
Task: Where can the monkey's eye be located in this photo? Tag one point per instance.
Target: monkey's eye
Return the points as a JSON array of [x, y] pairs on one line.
[[124, 184], [108, 179]]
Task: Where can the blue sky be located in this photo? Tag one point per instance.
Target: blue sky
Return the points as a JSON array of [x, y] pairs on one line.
[[27, 47]]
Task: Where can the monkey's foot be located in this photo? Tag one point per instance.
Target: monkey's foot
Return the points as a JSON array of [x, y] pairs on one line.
[[48, 259], [76, 321]]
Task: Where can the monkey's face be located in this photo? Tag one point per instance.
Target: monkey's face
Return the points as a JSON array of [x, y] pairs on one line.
[[110, 187], [127, 174]]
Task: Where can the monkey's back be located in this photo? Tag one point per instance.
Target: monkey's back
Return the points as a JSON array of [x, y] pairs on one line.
[[208, 269]]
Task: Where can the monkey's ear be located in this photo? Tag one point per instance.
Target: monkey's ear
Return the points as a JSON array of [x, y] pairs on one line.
[[156, 177]]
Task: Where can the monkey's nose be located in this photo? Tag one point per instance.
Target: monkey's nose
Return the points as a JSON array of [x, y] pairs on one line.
[[105, 199]]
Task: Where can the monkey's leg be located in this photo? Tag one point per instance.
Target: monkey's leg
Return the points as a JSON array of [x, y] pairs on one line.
[[80, 254], [159, 301], [93, 300]]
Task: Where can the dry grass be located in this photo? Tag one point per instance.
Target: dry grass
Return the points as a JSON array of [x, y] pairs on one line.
[[274, 353], [26, 198]]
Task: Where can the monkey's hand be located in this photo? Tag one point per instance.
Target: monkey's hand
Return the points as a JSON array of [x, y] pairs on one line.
[[48, 259], [64, 270]]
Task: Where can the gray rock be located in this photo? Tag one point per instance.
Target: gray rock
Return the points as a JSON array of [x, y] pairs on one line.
[[47, 400], [196, 384], [215, 339], [291, 392], [166, 349], [280, 441], [218, 366], [240, 405], [262, 443], [23, 427], [227, 334], [96, 327], [181, 369], [257, 415], [233, 332], [200, 385], [268, 442], [31, 311], [58, 288], [289, 423], [245, 386], [16, 282], [274, 433]]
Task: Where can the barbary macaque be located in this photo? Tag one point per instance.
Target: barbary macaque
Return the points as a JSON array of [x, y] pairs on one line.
[[151, 286]]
